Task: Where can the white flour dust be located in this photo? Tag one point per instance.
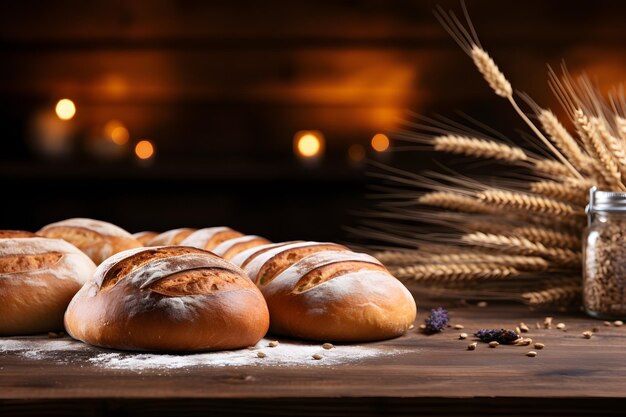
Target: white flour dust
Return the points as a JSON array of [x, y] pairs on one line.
[[285, 354]]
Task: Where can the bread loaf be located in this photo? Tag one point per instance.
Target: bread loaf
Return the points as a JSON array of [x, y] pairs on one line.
[[222, 241], [96, 238], [323, 291], [38, 278], [172, 298], [170, 238], [144, 237]]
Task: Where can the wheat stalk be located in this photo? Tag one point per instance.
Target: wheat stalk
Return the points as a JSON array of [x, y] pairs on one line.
[[620, 122], [502, 87], [535, 236], [477, 147], [552, 168], [524, 263], [558, 295], [562, 139], [454, 272], [588, 129], [612, 143], [522, 246], [548, 237], [491, 73], [454, 201], [527, 202], [574, 191]]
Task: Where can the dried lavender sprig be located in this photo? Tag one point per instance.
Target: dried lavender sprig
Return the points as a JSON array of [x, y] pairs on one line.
[[436, 321], [502, 336]]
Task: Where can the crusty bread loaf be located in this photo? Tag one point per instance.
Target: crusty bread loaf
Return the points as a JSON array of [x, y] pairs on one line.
[[209, 237], [172, 298], [222, 241], [230, 248], [96, 238], [323, 291], [170, 238], [38, 278], [145, 237]]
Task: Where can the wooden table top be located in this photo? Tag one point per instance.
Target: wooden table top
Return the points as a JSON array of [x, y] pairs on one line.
[[434, 374]]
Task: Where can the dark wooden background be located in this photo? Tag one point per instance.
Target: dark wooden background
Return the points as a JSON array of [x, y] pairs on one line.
[[221, 88]]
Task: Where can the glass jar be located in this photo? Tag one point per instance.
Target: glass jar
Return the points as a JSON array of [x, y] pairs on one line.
[[604, 256]]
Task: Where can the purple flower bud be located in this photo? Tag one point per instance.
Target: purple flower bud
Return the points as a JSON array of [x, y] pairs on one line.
[[436, 321]]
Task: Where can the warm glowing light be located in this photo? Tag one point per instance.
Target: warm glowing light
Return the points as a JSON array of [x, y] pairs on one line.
[[144, 149], [117, 132], [356, 152], [380, 142], [65, 109], [309, 143]]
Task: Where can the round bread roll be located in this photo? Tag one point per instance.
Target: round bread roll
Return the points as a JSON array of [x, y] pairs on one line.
[[38, 278], [169, 298], [144, 237], [170, 238], [96, 238], [323, 291], [222, 241]]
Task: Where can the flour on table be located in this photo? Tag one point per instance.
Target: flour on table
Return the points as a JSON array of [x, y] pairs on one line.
[[285, 354]]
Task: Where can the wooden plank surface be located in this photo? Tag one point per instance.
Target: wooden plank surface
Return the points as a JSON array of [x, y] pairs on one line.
[[437, 366]]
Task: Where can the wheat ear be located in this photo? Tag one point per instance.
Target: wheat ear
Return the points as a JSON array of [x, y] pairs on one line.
[[476, 147], [620, 122], [614, 145], [524, 263], [502, 87], [595, 146], [527, 202], [451, 273], [454, 201], [574, 192], [562, 139], [558, 295], [552, 168], [548, 237], [523, 246]]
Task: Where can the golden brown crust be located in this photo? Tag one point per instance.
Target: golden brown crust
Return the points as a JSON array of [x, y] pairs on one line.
[[38, 278], [168, 299], [264, 249], [145, 237], [31, 309], [323, 291], [25, 263], [222, 237], [327, 272], [6, 234], [242, 246], [360, 315], [97, 239], [198, 281], [129, 263], [170, 237], [278, 263]]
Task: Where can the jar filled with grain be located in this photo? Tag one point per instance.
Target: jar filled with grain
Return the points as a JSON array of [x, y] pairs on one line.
[[604, 256]]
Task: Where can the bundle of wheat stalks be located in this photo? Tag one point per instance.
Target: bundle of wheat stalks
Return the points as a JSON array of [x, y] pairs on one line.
[[516, 233]]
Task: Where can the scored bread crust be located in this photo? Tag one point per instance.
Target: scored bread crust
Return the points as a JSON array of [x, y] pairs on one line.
[[170, 298], [210, 237], [232, 247], [145, 237], [96, 238], [323, 291], [38, 278], [170, 238]]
